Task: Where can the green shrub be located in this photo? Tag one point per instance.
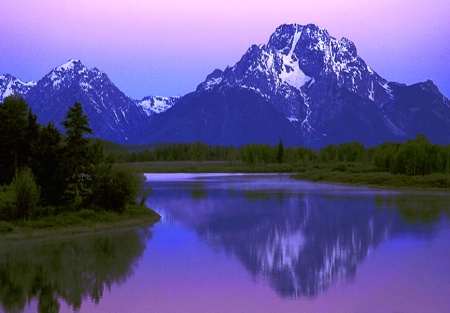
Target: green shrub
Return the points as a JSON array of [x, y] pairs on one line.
[[341, 168], [26, 194], [87, 214], [7, 205], [5, 227], [114, 188], [45, 211]]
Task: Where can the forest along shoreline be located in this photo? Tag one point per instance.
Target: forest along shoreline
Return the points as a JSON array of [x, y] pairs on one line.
[[53, 184], [414, 164], [348, 173]]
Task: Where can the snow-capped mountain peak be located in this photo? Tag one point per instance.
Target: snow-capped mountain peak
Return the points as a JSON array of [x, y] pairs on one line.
[[294, 66], [303, 86], [70, 71], [156, 104], [10, 84], [112, 114], [296, 55], [71, 64]]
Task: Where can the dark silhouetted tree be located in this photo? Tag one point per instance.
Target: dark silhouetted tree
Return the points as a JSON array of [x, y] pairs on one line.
[[280, 152], [47, 165], [13, 129], [77, 150]]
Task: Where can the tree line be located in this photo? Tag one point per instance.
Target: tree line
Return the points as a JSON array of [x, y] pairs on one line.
[[43, 172], [414, 157]]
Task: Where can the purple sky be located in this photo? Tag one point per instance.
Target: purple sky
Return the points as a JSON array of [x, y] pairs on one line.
[[167, 47]]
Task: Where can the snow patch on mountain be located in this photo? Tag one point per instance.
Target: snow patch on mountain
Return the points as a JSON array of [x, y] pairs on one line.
[[85, 86], [69, 65], [213, 82], [10, 84], [291, 73], [156, 104]]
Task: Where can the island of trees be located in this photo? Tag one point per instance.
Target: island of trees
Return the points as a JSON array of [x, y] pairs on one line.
[[44, 173]]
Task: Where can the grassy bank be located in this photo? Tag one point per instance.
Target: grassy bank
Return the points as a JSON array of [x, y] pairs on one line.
[[363, 174], [77, 222], [355, 173]]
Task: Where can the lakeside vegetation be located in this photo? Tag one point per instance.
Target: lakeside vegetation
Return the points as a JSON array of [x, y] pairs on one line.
[[70, 223], [54, 183], [416, 163]]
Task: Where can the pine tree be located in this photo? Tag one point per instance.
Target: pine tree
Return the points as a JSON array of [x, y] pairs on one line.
[[280, 152], [13, 130], [47, 165], [77, 150]]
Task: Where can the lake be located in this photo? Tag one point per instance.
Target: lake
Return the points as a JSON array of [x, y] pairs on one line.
[[246, 243]]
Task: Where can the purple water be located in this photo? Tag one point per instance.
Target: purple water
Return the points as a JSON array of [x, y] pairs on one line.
[[254, 243]]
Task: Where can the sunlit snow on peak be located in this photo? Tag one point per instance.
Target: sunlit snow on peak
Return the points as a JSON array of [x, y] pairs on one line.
[[156, 104], [9, 84], [291, 73], [68, 65]]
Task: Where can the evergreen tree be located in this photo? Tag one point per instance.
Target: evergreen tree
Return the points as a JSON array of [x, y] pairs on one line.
[[47, 165], [280, 152], [77, 151], [199, 151], [13, 129], [30, 141]]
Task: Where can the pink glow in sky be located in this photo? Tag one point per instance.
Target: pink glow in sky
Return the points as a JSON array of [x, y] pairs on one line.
[[167, 47]]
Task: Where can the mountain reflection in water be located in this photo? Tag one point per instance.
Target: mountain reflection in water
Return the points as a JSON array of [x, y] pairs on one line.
[[299, 240], [72, 269]]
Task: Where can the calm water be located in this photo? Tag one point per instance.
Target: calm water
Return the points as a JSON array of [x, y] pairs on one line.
[[247, 243]]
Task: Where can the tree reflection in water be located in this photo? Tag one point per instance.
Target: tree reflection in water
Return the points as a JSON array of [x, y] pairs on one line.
[[70, 269]]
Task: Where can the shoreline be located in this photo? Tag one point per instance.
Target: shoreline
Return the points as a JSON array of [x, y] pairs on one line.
[[383, 180], [356, 173], [104, 222]]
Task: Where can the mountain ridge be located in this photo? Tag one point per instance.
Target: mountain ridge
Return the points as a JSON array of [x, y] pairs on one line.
[[303, 86], [113, 115], [317, 83]]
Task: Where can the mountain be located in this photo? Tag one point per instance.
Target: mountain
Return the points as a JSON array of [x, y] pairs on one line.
[[304, 87], [156, 104], [420, 109], [112, 114], [10, 84]]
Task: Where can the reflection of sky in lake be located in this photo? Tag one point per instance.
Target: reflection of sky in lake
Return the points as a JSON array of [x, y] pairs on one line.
[[246, 245]]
